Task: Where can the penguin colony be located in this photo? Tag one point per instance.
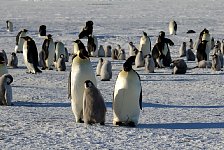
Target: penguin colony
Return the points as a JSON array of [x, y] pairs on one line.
[[87, 102]]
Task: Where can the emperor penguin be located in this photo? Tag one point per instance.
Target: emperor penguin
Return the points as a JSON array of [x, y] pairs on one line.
[[201, 51], [206, 37], [9, 26], [108, 51], [13, 60], [30, 55], [114, 54], [42, 30], [3, 67], [94, 108], [92, 45], [121, 55], [204, 64], [87, 30], [139, 60], [81, 71], [48, 48], [6, 90], [173, 27], [180, 66], [20, 41], [101, 52], [106, 71], [191, 44], [216, 64], [42, 60], [133, 51], [98, 67], [59, 49], [5, 56], [145, 44], [222, 46], [66, 55], [182, 50], [149, 64], [127, 97], [190, 55], [60, 64]]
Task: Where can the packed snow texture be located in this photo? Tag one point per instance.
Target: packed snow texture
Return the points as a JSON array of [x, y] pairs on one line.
[[179, 111]]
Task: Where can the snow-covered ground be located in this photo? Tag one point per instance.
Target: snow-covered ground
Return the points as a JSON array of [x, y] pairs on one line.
[[179, 111]]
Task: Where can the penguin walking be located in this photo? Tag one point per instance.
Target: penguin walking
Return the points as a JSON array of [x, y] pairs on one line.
[[9, 26], [13, 60], [42, 30], [101, 52], [92, 46], [127, 97], [139, 60], [180, 66], [133, 51], [106, 71], [182, 50], [145, 44], [98, 67], [60, 65], [30, 55], [108, 51], [94, 108], [172, 27], [149, 64], [3, 67], [59, 49], [81, 71], [20, 40], [216, 64], [87, 30], [6, 90]]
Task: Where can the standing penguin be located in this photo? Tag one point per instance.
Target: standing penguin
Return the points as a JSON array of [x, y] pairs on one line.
[[182, 50], [216, 64], [59, 49], [145, 44], [190, 55], [139, 60], [42, 30], [114, 54], [222, 46], [6, 90], [81, 71], [108, 51], [9, 26], [191, 44], [127, 97], [98, 67], [30, 55], [206, 37], [60, 65], [87, 30], [173, 27], [94, 108], [66, 55], [42, 62], [92, 46], [106, 71], [13, 60], [20, 41], [149, 64], [101, 52], [5, 56], [3, 67], [201, 54], [121, 55], [180, 66], [133, 51]]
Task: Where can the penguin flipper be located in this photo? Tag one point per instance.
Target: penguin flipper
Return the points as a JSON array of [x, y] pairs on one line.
[[140, 100], [69, 85]]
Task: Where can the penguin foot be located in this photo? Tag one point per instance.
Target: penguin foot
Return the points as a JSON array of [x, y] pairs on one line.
[[118, 123], [43, 68], [50, 68], [131, 124], [80, 121], [102, 123]]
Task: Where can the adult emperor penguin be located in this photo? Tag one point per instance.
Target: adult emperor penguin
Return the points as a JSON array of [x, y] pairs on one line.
[[201, 53], [106, 71], [13, 60], [59, 49], [3, 67], [20, 41], [98, 67], [9, 26], [94, 108], [145, 44], [30, 55], [81, 71], [127, 97], [87, 30], [205, 36], [48, 47], [92, 45], [6, 90], [172, 27]]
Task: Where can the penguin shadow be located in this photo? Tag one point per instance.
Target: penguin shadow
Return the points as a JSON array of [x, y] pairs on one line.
[[38, 104], [198, 125], [106, 36]]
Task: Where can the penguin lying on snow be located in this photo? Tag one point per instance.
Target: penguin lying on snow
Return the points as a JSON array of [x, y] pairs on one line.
[[94, 108], [6, 90], [180, 66], [127, 97]]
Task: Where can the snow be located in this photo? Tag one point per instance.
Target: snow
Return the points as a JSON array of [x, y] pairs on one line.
[[179, 111]]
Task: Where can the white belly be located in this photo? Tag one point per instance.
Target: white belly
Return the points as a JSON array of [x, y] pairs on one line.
[[145, 46]]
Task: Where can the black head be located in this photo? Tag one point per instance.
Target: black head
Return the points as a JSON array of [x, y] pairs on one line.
[[49, 36], [162, 34], [144, 33], [88, 84], [7, 21], [82, 49], [127, 66], [24, 30], [191, 40], [2, 59], [62, 56], [13, 54], [131, 43], [9, 78], [89, 23]]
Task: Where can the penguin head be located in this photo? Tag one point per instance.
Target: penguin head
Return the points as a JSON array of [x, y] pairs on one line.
[[62, 56], [162, 34], [131, 43], [7, 21], [2, 59], [88, 84], [83, 54], [24, 30], [127, 66], [13, 54], [101, 59], [49, 36], [8, 78], [89, 23], [144, 33]]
